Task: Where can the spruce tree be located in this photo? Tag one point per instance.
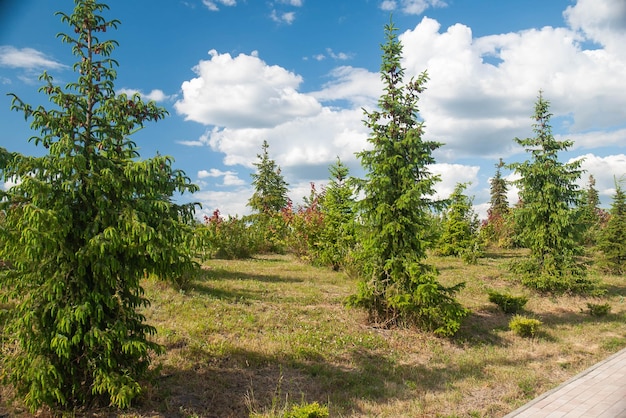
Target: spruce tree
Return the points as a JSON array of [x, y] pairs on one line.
[[83, 225], [497, 229], [270, 188], [499, 204], [268, 201], [338, 210], [460, 226], [612, 239], [547, 217], [590, 212], [397, 286]]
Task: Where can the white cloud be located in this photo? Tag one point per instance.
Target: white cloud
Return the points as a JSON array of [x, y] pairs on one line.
[[295, 3], [476, 106], [602, 21], [214, 5], [411, 7], [156, 94], [27, 58], [605, 171], [480, 96], [10, 183], [230, 178], [283, 17], [228, 202], [320, 140], [341, 56], [243, 92], [356, 85], [453, 174]]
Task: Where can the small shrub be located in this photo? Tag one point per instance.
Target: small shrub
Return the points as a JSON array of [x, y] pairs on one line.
[[508, 303], [595, 309], [307, 410], [524, 327]]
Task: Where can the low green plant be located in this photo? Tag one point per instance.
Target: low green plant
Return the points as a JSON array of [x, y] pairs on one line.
[[508, 303], [595, 309], [307, 410], [524, 326]]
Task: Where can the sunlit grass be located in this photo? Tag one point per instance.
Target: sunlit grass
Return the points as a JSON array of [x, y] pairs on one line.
[[263, 334]]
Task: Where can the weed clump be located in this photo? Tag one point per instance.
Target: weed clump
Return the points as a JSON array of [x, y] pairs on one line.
[[524, 326], [508, 303], [307, 410], [595, 309]]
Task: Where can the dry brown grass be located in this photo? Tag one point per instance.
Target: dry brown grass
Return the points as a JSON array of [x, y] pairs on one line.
[[258, 335]]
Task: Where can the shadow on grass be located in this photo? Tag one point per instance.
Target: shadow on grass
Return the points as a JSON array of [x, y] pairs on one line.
[[483, 326], [242, 381], [226, 275]]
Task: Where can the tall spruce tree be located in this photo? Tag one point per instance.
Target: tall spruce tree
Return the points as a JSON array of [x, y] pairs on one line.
[[397, 286], [547, 217], [84, 223], [612, 238]]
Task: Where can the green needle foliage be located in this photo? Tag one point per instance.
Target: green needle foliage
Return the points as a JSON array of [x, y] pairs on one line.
[[82, 226], [460, 226], [397, 287], [497, 230], [547, 217], [270, 187], [612, 240], [337, 238], [268, 201]]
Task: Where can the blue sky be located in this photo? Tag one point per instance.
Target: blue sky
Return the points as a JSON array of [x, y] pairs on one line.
[[298, 73]]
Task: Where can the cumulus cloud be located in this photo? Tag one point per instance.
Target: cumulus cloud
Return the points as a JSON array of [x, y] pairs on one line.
[[476, 107], [243, 92], [480, 95], [603, 22], [27, 58], [320, 140], [451, 175], [605, 170]]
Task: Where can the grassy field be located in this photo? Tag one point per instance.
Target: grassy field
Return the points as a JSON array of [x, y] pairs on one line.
[[259, 335]]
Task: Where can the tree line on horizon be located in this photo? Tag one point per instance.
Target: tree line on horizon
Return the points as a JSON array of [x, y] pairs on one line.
[[87, 221]]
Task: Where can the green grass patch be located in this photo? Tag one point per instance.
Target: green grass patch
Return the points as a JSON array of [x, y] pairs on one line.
[[271, 336]]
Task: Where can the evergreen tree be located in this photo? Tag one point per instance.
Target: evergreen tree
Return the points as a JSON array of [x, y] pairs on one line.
[[546, 217], [590, 212], [270, 188], [338, 209], [270, 202], [612, 239], [397, 287], [499, 204], [86, 221], [460, 226], [497, 229]]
